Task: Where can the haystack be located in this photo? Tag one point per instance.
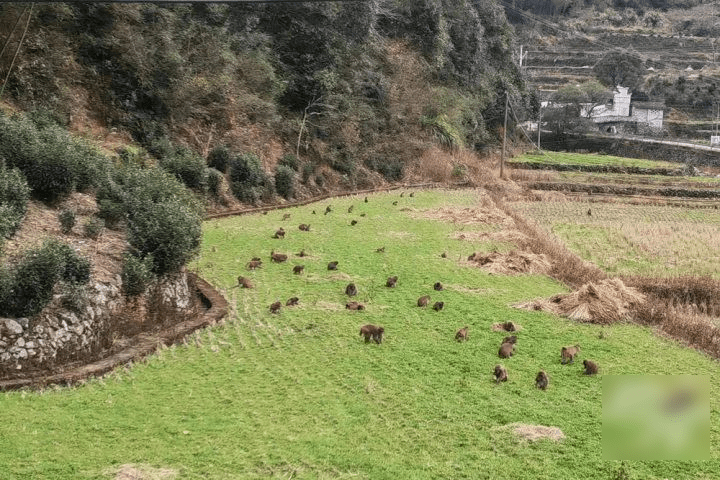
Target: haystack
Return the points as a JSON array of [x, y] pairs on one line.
[[605, 302], [511, 263]]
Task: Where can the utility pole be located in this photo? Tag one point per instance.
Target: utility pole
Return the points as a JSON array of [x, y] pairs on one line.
[[502, 158], [522, 56], [538, 125]]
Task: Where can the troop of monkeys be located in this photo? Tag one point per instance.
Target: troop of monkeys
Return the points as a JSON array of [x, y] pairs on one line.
[[375, 333]]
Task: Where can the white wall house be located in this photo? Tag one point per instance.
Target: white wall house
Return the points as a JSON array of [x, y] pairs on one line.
[[624, 114]]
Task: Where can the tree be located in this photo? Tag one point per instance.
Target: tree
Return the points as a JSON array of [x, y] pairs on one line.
[[620, 67], [572, 106]]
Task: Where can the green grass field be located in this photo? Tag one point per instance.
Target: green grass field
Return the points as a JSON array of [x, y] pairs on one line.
[[565, 158], [299, 395]]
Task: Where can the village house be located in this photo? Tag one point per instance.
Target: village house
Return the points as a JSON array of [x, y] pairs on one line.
[[626, 116]]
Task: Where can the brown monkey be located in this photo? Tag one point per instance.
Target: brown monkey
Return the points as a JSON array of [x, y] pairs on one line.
[[302, 253], [509, 327], [438, 286], [423, 301], [395, 202], [253, 264], [500, 374], [506, 350], [353, 223], [332, 265], [391, 282], [363, 214], [591, 367], [286, 216], [380, 250], [328, 209], [542, 380], [412, 194], [589, 212], [350, 208], [462, 334], [443, 255], [567, 354], [275, 307], [354, 306], [304, 227], [401, 194], [373, 331], [351, 290], [366, 200], [277, 257], [244, 283], [438, 306], [292, 301], [280, 233], [298, 269], [512, 339]]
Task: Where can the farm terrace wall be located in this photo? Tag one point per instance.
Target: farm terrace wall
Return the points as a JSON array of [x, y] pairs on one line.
[[58, 335]]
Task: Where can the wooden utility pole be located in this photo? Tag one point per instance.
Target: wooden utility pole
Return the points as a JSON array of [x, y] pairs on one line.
[[502, 157], [538, 125]]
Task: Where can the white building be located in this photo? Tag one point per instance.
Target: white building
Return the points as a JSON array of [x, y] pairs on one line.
[[625, 115]]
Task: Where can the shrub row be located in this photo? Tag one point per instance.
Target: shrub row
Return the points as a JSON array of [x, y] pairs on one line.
[[26, 285], [54, 163]]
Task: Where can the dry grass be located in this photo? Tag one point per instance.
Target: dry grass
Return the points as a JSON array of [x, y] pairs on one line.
[[143, 472], [533, 433], [511, 263], [605, 302]]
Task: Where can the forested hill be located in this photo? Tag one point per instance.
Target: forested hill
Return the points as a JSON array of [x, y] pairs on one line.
[[345, 85]]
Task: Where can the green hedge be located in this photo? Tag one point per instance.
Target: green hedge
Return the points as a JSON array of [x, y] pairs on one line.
[[14, 195]]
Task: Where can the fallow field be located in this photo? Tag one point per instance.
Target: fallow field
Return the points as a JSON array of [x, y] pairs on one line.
[[299, 395]]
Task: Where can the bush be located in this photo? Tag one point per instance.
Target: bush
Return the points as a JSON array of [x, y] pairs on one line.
[[248, 180], [136, 274], [291, 161], [14, 195], [67, 221], [188, 167], [285, 181], [27, 287], [169, 231], [54, 163], [392, 170], [214, 181], [219, 159], [112, 212], [307, 171], [93, 227]]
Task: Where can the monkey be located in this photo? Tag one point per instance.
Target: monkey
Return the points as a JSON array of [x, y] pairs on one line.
[[298, 269], [363, 214], [462, 334], [292, 301], [412, 194], [391, 282], [401, 194], [366, 200], [328, 209], [380, 250], [286, 216], [438, 286], [512, 339], [443, 255], [353, 223], [500, 374], [302, 253], [395, 202], [275, 307], [373, 331], [253, 264], [244, 283], [542, 380], [277, 257], [354, 306], [438, 306], [280, 233], [506, 350], [333, 265], [567, 354], [423, 301], [589, 213], [313, 212], [351, 290], [591, 367], [509, 326], [350, 208], [304, 227]]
